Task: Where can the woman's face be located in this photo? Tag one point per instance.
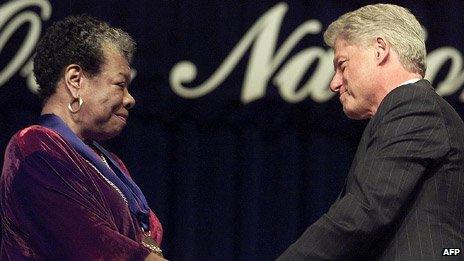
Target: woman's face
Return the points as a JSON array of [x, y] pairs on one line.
[[106, 99]]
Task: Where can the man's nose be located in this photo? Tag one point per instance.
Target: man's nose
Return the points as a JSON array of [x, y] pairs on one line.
[[336, 82]]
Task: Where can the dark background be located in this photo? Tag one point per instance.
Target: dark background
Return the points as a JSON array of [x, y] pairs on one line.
[[229, 180]]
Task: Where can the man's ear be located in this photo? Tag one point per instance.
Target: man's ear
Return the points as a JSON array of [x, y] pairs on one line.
[[73, 77], [381, 49]]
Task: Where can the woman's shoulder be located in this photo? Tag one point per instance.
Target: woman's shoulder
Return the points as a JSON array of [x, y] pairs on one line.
[[35, 138], [35, 131]]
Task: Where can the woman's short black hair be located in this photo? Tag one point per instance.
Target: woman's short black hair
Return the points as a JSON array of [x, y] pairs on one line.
[[76, 40]]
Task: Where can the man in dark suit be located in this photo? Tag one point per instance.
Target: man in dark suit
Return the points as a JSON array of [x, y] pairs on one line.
[[404, 194]]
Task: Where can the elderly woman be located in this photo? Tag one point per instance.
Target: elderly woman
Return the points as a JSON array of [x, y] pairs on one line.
[[63, 196]]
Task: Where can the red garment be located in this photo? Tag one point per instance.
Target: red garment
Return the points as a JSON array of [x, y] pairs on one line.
[[55, 205]]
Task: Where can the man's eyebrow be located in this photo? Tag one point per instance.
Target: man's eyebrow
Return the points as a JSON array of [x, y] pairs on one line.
[[336, 61]]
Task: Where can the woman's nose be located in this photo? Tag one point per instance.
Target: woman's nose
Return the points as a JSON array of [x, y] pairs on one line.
[[128, 100]]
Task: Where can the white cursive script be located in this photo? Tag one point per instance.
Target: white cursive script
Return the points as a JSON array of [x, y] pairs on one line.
[[455, 77], [14, 12], [264, 61]]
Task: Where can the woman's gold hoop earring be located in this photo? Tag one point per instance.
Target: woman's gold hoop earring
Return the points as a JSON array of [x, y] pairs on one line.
[[79, 102]]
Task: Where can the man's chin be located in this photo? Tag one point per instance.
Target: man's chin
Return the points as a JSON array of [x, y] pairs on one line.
[[356, 116], [352, 114]]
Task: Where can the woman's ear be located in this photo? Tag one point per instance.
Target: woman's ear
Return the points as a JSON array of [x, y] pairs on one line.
[[73, 77]]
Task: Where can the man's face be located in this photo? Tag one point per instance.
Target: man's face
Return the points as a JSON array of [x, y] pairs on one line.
[[106, 99], [354, 79]]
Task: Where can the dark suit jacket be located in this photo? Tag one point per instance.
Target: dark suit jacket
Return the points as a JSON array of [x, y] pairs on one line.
[[404, 194]]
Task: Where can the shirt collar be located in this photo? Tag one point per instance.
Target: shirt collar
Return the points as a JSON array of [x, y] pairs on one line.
[[414, 80]]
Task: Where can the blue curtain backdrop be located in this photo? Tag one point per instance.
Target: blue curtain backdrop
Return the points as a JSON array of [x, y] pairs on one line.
[[230, 177]]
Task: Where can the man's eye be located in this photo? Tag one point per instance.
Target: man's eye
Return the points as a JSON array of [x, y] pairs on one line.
[[342, 65]]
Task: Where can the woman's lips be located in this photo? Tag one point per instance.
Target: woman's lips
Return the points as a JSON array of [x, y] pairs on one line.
[[123, 118]]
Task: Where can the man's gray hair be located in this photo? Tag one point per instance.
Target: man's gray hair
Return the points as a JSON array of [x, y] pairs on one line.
[[396, 24]]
